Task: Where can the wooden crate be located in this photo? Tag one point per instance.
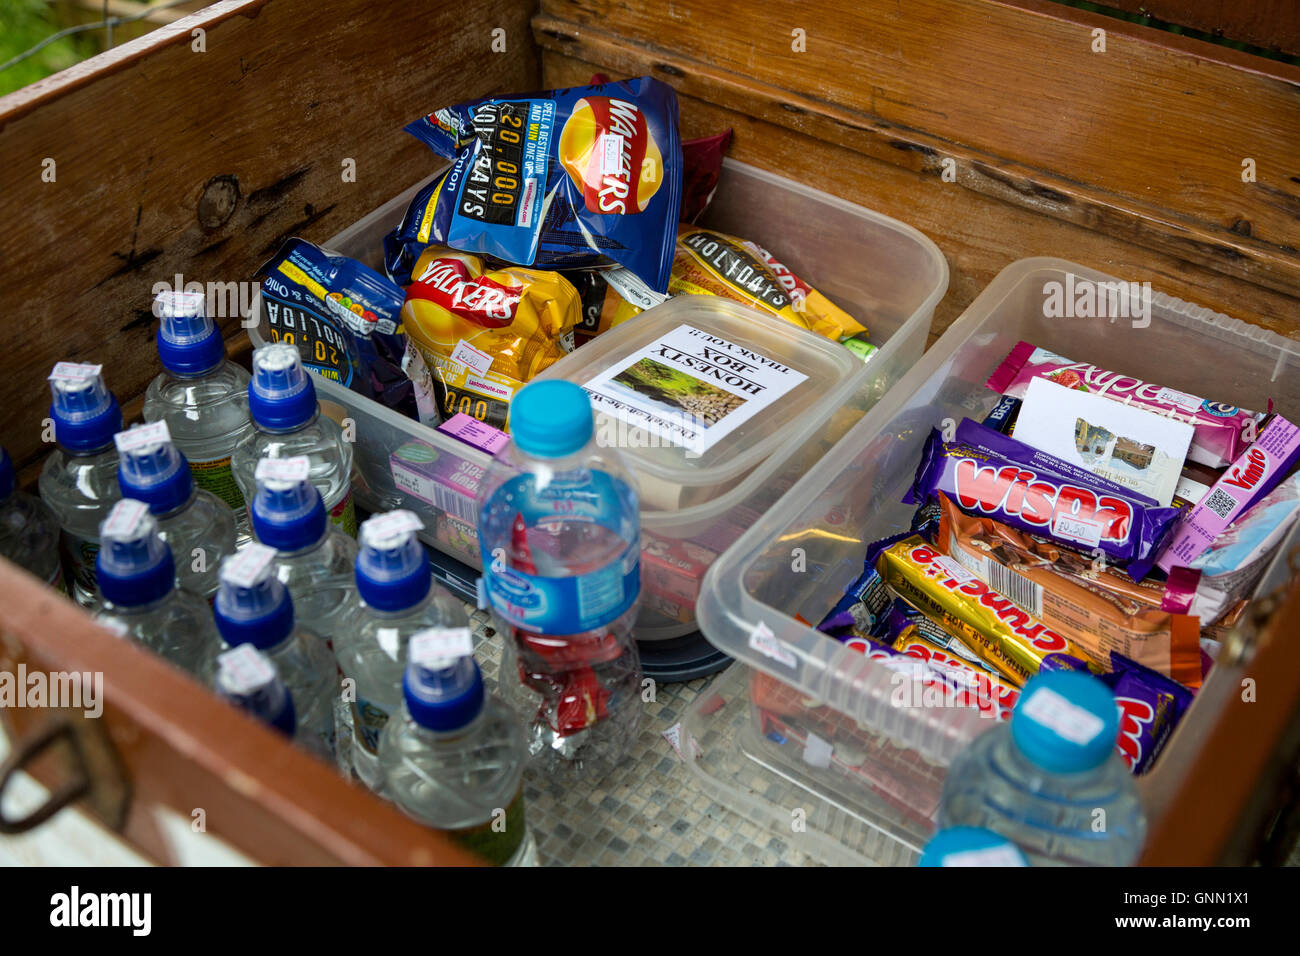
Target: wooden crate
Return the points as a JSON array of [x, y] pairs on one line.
[[1000, 129]]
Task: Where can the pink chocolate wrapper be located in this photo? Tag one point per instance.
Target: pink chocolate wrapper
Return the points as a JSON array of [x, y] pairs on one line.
[[1250, 478], [1221, 433]]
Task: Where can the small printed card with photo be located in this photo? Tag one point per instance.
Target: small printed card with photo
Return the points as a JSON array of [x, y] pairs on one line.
[[1130, 446]]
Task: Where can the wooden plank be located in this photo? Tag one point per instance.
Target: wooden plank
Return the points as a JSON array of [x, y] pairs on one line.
[[1222, 794], [1271, 24], [1144, 142], [184, 748], [259, 123], [978, 233]]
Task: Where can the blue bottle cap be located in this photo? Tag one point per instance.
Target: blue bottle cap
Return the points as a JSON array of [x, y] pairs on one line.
[[7, 478], [134, 565], [1065, 721], [441, 692], [248, 678], [85, 413], [189, 343], [288, 513], [252, 606], [971, 846], [393, 570], [281, 395], [151, 469], [551, 419]]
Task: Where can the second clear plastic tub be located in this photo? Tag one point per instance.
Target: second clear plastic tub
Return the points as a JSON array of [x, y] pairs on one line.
[[803, 690], [885, 273]]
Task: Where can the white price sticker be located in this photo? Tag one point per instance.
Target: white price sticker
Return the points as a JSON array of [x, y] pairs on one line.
[[247, 567], [989, 856], [244, 669], [470, 357], [142, 436], [816, 752], [74, 372], [953, 569], [764, 641], [124, 520], [1184, 401], [1048, 708], [1077, 529], [438, 645], [292, 470], [612, 160], [385, 527]]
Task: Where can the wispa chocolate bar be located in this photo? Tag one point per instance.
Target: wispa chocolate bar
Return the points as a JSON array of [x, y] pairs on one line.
[[990, 474]]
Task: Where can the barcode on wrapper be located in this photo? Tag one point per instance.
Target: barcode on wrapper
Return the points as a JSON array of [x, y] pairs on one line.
[[431, 493], [1019, 588], [1221, 503]]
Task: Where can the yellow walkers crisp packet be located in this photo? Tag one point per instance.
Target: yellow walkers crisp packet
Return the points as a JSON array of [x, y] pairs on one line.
[[708, 262], [485, 333]]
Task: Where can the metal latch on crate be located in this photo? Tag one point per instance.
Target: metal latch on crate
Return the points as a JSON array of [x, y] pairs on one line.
[[1243, 640], [88, 769]]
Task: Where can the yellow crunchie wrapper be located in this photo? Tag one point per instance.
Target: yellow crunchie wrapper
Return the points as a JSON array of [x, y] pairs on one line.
[[992, 625]]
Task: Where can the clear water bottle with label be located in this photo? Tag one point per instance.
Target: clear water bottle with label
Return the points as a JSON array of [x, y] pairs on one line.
[[313, 558], [137, 582], [253, 607], [197, 525], [398, 599], [1050, 780], [288, 423], [79, 479], [453, 756], [201, 395], [29, 533], [559, 529], [250, 680]]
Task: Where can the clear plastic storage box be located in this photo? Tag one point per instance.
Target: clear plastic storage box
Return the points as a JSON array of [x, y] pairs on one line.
[[886, 274], [697, 489], [807, 732]]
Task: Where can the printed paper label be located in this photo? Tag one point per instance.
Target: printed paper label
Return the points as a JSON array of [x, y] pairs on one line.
[[691, 388], [142, 436], [470, 357], [1045, 706], [244, 669], [125, 518], [439, 646], [1077, 529], [246, 568], [390, 525], [292, 470], [764, 641]]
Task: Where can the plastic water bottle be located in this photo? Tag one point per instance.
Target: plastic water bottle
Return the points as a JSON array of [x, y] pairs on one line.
[[253, 607], [197, 525], [288, 423], [1049, 779], [249, 679], [137, 582], [314, 559], [79, 480], [970, 846], [453, 756], [29, 534], [559, 530], [398, 599], [201, 395]]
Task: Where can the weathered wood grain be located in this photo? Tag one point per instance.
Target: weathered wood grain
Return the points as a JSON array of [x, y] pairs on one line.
[[263, 119], [187, 749], [1144, 142], [979, 234]]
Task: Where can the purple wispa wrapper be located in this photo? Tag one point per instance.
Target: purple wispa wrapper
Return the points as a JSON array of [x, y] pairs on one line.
[[1150, 706], [986, 473], [1064, 662]]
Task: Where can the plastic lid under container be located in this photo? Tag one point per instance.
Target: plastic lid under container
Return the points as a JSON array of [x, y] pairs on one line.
[[699, 390]]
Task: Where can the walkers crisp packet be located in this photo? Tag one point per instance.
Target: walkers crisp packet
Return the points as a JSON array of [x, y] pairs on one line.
[[588, 176]]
